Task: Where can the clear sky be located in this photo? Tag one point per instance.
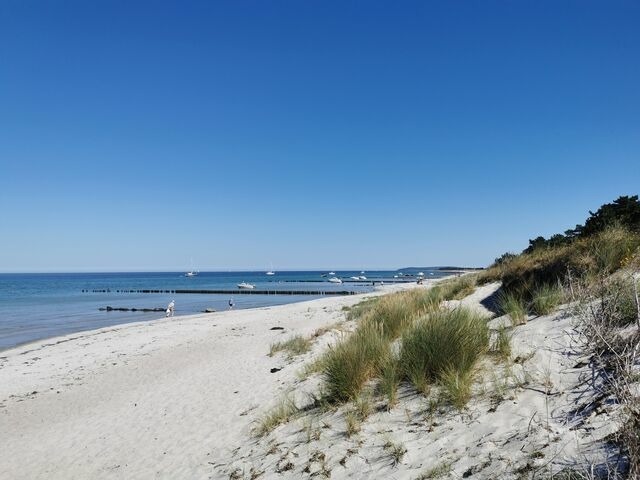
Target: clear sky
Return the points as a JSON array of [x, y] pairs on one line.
[[310, 134]]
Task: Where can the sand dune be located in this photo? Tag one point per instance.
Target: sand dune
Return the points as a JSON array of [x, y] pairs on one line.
[[179, 398]]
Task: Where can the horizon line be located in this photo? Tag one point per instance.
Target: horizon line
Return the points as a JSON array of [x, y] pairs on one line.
[[315, 269]]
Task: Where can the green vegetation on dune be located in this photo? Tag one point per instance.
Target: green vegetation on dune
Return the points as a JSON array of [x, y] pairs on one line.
[[430, 340], [348, 365], [419, 339], [623, 212], [539, 278], [595, 267], [446, 341], [458, 288], [514, 306], [366, 353], [294, 346], [409, 336], [545, 299]]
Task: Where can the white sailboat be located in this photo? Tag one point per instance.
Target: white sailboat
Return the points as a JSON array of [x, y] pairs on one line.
[[246, 286], [192, 272], [271, 272]]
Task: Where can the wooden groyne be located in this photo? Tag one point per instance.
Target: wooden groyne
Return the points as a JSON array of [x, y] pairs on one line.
[[232, 292], [369, 282]]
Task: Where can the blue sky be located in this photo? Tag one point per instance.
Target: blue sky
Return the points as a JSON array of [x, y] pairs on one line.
[[315, 134]]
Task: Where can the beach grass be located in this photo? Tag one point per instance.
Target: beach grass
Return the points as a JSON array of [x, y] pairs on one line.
[[458, 288], [284, 411], [312, 367], [545, 299], [441, 470], [293, 346], [502, 343], [511, 304], [389, 380], [360, 309], [392, 314], [443, 342], [396, 312], [366, 354], [353, 423], [348, 365], [396, 450], [456, 386]]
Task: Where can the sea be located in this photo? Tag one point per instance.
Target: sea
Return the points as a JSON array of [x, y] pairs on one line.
[[44, 305]]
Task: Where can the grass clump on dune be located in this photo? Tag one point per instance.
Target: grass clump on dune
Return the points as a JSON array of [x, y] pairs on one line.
[[616, 301], [360, 309], [389, 380], [281, 413], [424, 300], [294, 346], [502, 343], [456, 386], [351, 363], [610, 249], [512, 305], [396, 312], [545, 299], [392, 314], [366, 354], [447, 341], [460, 287]]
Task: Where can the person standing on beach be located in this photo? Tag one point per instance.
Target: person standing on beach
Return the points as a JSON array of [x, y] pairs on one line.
[[171, 307]]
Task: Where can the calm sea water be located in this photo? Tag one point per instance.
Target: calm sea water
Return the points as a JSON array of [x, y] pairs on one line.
[[37, 306]]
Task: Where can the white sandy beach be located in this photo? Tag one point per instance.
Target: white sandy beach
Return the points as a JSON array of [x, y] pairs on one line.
[[158, 399], [178, 398]]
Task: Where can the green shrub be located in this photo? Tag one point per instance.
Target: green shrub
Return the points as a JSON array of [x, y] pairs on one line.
[[545, 299], [442, 341]]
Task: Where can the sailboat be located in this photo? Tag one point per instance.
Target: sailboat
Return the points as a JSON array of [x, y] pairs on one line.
[[271, 272], [192, 272]]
